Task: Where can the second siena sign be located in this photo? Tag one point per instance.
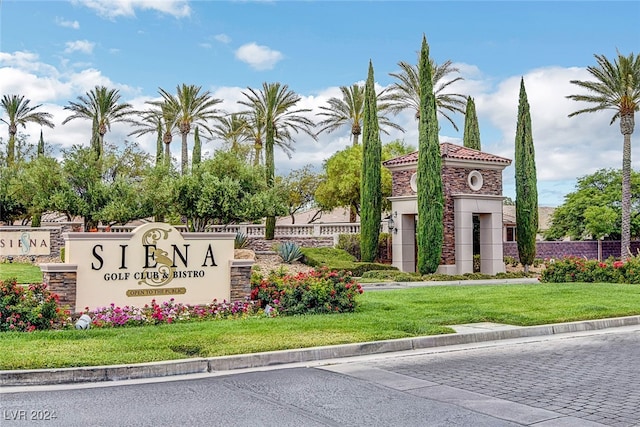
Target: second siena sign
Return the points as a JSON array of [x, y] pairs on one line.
[[154, 261]]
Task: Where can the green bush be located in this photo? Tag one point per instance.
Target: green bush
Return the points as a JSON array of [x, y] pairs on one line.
[[338, 259], [398, 276], [316, 257], [319, 291], [349, 243], [289, 252], [576, 269], [512, 261], [29, 308]]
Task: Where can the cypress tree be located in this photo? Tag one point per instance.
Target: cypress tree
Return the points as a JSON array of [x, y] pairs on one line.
[[370, 184], [471, 138], [430, 194], [41, 146], [526, 184], [196, 156]]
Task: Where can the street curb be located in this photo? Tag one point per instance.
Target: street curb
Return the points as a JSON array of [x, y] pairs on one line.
[[256, 360]]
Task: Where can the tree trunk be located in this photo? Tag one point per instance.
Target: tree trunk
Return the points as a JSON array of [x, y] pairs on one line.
[[11, 146], [185, 155], [626, 127], [269, 162]]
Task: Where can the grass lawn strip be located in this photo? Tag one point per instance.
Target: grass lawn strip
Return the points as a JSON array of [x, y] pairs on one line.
[[382, 315], [26, 273]]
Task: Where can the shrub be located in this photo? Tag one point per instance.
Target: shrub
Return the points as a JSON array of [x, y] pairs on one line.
[[349, 243], [289, 252], [512, 261], [576, 269], [29, 308], [476, 263], [338, 259], [398, 276], [316, 257], [169, 312], [241, 241], [318, 291]]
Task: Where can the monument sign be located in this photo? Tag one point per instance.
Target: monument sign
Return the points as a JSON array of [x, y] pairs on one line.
[[153, 261]]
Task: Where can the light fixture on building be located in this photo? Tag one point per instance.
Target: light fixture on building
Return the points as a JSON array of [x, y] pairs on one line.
[[10, 259], [392, 223]]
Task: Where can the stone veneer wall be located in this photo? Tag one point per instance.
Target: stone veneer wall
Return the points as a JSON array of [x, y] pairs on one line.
[[241, 280], [454, 180], [62, 280], [259, 244], [582, 249]]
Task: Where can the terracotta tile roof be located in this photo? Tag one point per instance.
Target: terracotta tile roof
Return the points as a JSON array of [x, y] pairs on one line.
[[450, 151]]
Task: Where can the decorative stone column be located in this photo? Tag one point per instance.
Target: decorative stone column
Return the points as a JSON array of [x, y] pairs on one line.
[[241, 279], [61, 279]]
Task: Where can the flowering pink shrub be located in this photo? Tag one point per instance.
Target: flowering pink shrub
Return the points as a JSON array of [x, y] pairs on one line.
[[575, 269], [30, 308], [319, 291], [169, 312]]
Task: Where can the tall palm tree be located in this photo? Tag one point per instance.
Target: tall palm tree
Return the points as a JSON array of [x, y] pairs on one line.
[[255, 125], [160, 119], [405, 93], [233, 129], [256, 131], [193, 108], [274, 106], [103, 107], [616, 87], [19, 113], [350, 111]]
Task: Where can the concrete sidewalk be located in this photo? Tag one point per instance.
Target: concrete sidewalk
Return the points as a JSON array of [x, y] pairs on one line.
[[465, 334]]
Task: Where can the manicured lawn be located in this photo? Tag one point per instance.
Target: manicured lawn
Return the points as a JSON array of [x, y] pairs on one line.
[[382, 315], [24, 273]]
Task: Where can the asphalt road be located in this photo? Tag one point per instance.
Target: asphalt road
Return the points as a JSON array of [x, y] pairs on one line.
[[581, 379]]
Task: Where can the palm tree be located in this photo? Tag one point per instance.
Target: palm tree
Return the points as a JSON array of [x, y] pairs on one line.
[[406, 92], [102, 107], [233, 129], [616, 87], [255, 125], [19, 113], [161, 120], [273, 106], [192, 108], [350, 111]]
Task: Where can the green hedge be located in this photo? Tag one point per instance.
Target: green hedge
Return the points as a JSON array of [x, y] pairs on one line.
[[338, 259]]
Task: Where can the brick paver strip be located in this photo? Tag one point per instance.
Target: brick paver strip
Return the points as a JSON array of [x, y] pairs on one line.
[[597, 381]]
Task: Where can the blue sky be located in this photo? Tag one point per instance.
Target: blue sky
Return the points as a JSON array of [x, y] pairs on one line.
[[54, 51]]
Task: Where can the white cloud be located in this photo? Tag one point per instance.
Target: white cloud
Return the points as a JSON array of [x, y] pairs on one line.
[[115, 8], [258, 57], [222, 38], [67, 24], [84, 46]]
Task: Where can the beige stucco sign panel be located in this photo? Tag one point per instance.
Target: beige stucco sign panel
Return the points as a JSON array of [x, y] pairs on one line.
[[24, 243], [154, 261]]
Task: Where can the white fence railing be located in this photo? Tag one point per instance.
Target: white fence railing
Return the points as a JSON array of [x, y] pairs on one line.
[[257, 230]]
